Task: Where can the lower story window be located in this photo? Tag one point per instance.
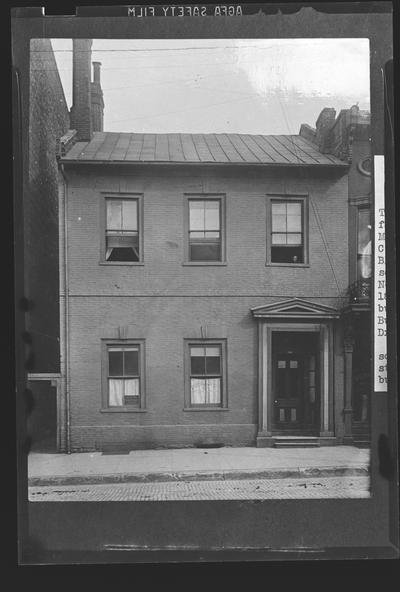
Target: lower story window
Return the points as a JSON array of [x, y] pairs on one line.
[[206, 381], [124, 375]]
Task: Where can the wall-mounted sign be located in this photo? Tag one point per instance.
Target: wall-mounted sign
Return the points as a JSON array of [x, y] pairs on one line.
[[380, 340]]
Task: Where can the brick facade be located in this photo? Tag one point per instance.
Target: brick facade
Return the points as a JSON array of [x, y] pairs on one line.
[[165, 302]]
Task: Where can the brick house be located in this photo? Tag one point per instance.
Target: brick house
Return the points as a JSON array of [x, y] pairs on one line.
[[204, 283], [48, 120]]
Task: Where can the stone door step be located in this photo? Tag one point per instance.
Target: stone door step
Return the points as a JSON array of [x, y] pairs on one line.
[[296, 442]]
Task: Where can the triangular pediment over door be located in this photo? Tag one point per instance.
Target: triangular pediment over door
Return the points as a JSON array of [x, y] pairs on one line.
[[294, 308]]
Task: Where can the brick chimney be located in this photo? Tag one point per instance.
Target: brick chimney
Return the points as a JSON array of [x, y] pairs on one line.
[[81, 119], [323, 127], [97, 102]]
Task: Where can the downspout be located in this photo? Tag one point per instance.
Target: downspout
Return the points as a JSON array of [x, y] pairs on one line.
[[64, 306]]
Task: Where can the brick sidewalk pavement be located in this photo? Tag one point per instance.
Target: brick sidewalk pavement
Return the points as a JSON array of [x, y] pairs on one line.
[[324, 487]]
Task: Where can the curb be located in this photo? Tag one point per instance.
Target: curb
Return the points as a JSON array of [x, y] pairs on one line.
[[205, 476]]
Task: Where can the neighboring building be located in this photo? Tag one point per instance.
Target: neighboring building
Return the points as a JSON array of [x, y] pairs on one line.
[[348, 137], [48, 120], [203, 283]]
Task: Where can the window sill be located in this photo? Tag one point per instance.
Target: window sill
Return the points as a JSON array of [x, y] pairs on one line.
[[205, 263], [130, 263], [269, 264], [205, 409], [122, 410]]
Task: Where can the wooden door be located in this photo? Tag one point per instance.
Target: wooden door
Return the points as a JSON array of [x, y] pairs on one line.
[[288, 391]]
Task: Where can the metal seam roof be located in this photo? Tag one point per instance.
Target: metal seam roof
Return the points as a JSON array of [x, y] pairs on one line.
[[114, 147]]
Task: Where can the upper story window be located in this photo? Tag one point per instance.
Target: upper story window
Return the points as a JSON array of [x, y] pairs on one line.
[[364, 257], [122, 230], [205, 230], [287, 231]]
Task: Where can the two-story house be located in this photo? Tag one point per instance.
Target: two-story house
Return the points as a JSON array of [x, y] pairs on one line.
[[203, 279]]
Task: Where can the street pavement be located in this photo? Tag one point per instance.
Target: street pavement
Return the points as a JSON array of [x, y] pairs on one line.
[[200, 474]]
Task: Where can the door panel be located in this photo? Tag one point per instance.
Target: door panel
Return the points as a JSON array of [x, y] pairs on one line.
[[288, 391], [295, 389]]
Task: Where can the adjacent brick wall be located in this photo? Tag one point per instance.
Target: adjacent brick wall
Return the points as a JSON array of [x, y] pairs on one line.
[[48, 120]]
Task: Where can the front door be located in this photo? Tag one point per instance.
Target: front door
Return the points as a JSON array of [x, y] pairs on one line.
[[295, 382]]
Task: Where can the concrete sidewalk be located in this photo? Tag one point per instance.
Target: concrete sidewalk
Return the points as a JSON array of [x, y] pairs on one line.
[[194, 464]]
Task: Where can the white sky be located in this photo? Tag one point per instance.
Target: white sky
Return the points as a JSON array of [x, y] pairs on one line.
[[255, 86]]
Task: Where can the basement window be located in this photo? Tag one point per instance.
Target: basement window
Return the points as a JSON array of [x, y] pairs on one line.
[[122, 230], [287, 232]]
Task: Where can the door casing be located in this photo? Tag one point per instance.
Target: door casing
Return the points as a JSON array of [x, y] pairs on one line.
[[324, 330]]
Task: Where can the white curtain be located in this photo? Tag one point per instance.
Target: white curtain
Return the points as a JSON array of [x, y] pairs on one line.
[[132, 387], [117, 391], [366, 263], [205, 391]]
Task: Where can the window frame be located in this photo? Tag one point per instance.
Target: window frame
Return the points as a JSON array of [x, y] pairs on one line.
[[106, 345], [290, 198], [221, 197], [222, 343], [109, 195]]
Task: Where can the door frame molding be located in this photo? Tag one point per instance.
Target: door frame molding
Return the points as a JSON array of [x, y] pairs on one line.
[[265, 330]]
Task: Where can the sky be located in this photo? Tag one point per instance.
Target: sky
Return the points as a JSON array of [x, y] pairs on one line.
[[253, 86]]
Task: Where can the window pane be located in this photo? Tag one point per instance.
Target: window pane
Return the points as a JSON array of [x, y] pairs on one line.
[[122, 254], [287, 254], [131, 363], [196, 215], [197, 361], [213, 365], [279, 239], [364, 230], [129, 214], [213, 351], [294, 223], [115, 362], [278, 223], [212, 215], [293, 209], [197, 391], [214, 234], [213, 391], [115, 392], [114, 218], [205, 252], [294, 239], [132, 387], [279, 209]]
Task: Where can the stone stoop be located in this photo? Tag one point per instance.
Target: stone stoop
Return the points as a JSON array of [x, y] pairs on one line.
[[296, 442]]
